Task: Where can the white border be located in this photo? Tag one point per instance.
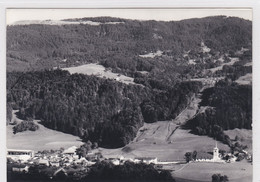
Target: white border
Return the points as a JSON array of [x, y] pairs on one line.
[[254, 4]]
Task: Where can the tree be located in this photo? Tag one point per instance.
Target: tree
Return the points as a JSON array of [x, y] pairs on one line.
[[81, 151], [219, 178], [188, 156], [194, 155], [94, 145]]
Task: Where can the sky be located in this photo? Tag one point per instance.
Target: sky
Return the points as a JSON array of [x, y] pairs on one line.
[[13, 15]]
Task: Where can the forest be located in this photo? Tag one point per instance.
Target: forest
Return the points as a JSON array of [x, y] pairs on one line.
[[229, 106], [101, 110], [118, 46], [110, 112]]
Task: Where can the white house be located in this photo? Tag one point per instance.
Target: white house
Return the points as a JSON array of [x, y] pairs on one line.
[[23, 155], [44, 162], [55, 163], [20, 168], [147, 160]]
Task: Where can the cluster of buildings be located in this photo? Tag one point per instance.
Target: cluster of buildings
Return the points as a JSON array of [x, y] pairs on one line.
[[57, 158], [62, 159], [23, 159]]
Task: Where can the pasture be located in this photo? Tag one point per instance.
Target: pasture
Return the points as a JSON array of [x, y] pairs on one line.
[[99, 71]]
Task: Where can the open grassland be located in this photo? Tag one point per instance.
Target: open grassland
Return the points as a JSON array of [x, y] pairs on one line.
[[193, 172], [100, 71], [154, 145], [166, 140], [244, 136], [41, 139]]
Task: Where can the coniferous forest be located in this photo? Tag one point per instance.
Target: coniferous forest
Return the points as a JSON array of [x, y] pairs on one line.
[[110, 112]]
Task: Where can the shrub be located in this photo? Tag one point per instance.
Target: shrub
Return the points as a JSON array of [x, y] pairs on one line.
[[24, 126]]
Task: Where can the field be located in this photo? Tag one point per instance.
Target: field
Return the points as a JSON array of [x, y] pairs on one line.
[[193, 172], [100, 71], [42, 139], [244, 136]]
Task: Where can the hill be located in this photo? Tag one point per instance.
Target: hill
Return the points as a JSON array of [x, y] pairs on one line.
[[119, 46], [159, 59], [102, 110]]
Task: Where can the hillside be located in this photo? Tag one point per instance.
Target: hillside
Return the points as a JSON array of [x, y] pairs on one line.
[[131, 72], [228, 106], [103, 110], [119, 46]]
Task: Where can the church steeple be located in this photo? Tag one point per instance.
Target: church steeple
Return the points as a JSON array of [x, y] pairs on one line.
[[216, 152]]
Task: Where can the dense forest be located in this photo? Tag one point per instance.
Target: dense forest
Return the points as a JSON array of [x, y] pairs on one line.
[[228, 106], [96, 109]]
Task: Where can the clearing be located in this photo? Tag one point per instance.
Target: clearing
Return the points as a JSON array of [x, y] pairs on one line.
[[245, 80], [244, 137], [232, 61], [152, 54], [99, 71]]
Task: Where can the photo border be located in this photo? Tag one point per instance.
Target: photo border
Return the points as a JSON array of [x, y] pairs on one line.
[[117, 4]]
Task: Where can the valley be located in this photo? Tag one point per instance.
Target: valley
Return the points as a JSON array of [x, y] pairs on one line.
[[137, 89]]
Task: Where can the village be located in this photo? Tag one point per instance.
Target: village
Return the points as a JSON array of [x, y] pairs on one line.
[[73, 160]]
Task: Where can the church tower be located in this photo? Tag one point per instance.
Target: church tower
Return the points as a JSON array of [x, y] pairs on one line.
[[216, 153]]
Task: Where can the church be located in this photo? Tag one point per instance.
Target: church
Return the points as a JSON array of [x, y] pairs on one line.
[[216, 156]]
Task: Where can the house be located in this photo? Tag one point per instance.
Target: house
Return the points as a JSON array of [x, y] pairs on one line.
[[147, 160], [82, 160], [91, 157], [44, 162], [55, 163], [115, 161], [22, 155], [70, 151], [20, 168]]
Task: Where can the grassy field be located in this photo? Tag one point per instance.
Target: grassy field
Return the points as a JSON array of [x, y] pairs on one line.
[[166, 140], [244, 137], [100, 71], [236, 172], [42, 139], [156, 146]]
